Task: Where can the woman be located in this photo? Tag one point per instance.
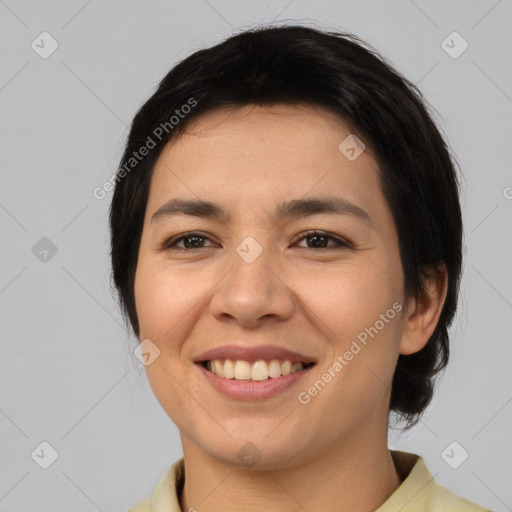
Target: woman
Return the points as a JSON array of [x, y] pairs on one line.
[[286, 244]]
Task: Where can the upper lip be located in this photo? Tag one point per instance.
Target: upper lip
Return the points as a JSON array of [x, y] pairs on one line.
[[252, 354]]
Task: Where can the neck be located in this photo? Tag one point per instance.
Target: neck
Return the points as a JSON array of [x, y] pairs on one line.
[[356, 477]]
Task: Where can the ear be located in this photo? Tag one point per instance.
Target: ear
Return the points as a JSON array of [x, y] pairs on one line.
[[423, 313]]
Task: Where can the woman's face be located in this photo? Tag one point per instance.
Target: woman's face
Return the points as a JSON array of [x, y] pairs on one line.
[[253, 278]]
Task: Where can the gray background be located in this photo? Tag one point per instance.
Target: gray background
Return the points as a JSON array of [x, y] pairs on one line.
[[68, 374]]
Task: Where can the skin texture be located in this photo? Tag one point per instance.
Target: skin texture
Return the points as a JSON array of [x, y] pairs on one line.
[[331, 452]]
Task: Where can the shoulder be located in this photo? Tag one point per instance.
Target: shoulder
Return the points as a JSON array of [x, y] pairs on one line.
[[165, 497], [419, 491], [143, 506], [442, 499]]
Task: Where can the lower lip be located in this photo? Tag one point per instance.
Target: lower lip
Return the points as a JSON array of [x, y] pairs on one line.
[[250, 389]]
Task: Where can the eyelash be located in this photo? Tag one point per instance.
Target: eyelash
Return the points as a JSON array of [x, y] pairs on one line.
[[171, 243]]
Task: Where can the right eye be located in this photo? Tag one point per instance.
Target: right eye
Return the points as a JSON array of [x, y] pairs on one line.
[[190, 240]]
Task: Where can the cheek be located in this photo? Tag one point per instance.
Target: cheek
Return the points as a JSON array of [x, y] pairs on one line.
[[164, 304], [352, 296], [359, 311], [164, 297]]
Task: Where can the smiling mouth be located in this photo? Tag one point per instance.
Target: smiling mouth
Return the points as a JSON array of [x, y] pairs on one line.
[[258, 371]]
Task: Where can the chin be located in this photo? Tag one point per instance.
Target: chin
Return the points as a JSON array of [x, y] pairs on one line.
[[256, 452]]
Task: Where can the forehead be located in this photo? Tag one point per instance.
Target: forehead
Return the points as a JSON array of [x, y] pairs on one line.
[[253, 125], [254, 114], [257, 155]]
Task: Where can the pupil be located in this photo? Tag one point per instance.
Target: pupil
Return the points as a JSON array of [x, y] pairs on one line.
[[192, 238], [316, 237]]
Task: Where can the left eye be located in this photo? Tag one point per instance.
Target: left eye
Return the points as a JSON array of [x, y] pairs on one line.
[[316, 236], [193, 240]]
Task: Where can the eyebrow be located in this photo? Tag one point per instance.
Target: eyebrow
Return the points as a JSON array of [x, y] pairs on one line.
[[295, 208]]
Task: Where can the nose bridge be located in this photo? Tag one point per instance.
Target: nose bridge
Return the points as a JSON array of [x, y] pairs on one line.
[[250, 266], [252, 239]]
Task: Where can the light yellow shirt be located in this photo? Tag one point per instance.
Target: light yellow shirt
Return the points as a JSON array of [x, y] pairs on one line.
[[418, 492]]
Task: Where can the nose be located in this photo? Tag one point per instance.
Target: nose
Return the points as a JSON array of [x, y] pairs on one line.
[[252, 292]]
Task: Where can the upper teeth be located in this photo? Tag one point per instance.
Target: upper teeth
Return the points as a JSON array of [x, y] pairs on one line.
[[259, 370]]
